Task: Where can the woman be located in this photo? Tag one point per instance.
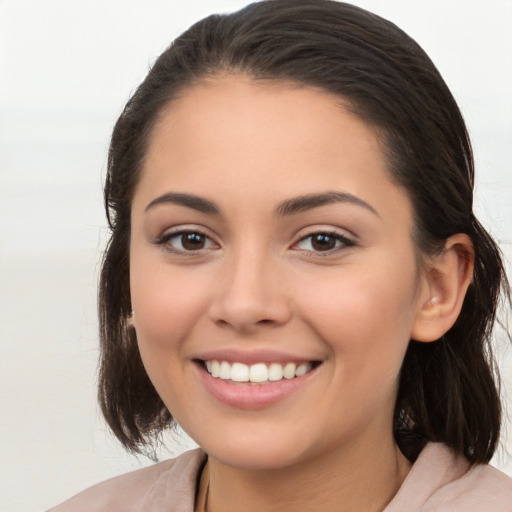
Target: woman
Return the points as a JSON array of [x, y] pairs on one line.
[[296, 277]]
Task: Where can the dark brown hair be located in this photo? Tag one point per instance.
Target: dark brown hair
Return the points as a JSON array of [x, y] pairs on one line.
[[447, 391]]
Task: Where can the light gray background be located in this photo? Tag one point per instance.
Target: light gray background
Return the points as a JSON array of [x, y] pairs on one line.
[[66, 69]]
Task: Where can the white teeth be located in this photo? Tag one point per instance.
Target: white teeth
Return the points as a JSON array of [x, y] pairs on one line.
[[289, 371], [302, 369], [275, 372], [215, 371], [239, 372], [259, 372], [225, 371]]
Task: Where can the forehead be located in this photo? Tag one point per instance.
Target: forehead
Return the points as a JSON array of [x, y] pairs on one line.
[[236, 113]]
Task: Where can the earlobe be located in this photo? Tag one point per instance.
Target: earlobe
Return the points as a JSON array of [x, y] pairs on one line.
[[447, 278], [130, 320]]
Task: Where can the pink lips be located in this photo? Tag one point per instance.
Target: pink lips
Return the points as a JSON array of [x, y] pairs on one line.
[[249, 396]]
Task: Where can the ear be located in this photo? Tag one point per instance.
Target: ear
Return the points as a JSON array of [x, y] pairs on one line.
[[445, 282], [130, 320]]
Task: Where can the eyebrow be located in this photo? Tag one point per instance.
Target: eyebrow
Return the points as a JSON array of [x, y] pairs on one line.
[[189, 200], [288, 207], [310, 201]]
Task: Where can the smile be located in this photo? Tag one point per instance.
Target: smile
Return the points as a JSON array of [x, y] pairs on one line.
[[254, 384], [256, 373]]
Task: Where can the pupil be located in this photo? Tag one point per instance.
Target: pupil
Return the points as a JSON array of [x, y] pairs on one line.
[[192, 241], [323, 242]]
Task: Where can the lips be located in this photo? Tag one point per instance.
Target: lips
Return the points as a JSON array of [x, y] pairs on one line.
[[254, 381]]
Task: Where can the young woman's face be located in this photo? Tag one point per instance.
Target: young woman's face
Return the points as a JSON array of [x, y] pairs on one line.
[[267, 241]]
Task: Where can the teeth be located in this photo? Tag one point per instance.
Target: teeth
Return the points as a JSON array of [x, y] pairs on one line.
[[259, 372], [302, 369], [225, 371], [215, 371], [275, 372], [239, 372], [289, 371]]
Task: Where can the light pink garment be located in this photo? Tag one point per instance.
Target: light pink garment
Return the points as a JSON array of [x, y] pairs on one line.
[[169, 486], [440, 482], [437, 482]]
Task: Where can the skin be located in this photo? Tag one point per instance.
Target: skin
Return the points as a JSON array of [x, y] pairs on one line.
[[258, 283]]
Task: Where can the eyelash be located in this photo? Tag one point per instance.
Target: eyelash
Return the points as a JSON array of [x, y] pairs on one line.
[[165, 240], [341, 241]]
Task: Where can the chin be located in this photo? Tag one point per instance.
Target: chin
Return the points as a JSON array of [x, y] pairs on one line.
[[252, 456], [262, 447]]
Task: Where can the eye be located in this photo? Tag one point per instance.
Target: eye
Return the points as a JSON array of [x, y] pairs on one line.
[[187, 241], [323, 242]]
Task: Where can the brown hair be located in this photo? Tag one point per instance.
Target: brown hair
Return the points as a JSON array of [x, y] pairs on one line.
[[447, 391]]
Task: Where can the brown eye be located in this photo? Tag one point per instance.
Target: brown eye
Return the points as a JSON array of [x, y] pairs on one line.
[[193, 241], [186, 241], [323, 242]]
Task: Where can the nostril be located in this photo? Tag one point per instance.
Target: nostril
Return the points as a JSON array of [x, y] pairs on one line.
[[248, 312], [265, 321]]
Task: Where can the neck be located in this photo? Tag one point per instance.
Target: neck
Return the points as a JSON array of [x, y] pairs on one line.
[[356, 478]]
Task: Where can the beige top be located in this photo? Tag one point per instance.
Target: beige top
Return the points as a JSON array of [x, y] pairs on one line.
[[438, 482]]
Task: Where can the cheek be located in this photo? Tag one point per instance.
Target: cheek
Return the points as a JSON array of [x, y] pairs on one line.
[[365, 318], [367, 332], [168, 306], [167, 302]]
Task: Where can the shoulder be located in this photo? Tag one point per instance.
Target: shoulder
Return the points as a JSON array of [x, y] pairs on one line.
[[149, 489], [481, 489], [441, 481]]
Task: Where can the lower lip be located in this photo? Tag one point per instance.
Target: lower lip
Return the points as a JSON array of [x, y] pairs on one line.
[[252, 396]]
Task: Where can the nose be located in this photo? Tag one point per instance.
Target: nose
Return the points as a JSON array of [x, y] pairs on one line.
[[251, 294]]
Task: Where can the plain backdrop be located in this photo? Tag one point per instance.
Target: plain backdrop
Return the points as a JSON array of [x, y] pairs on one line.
[[66, 69]]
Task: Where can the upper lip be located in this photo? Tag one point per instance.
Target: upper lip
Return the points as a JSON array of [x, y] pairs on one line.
[[252, 356]]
